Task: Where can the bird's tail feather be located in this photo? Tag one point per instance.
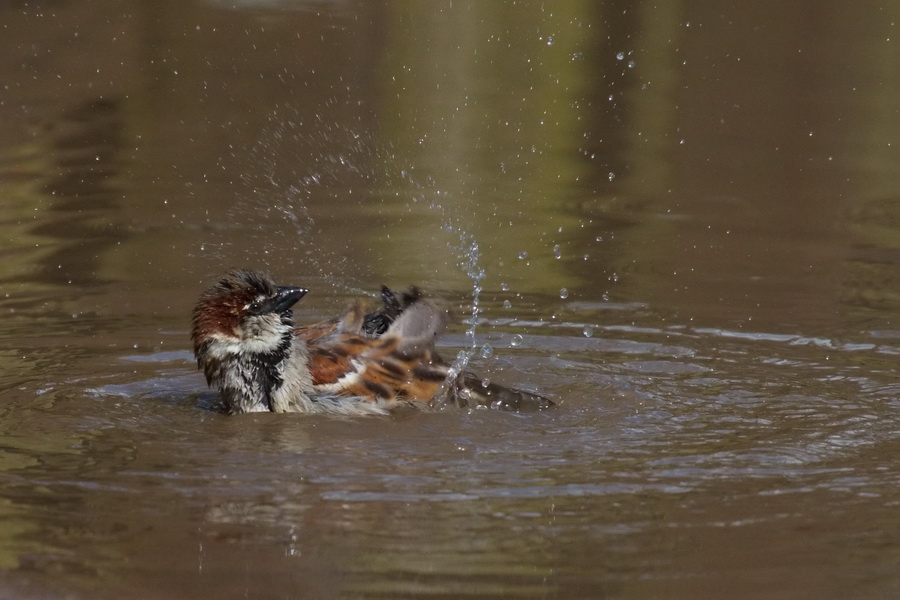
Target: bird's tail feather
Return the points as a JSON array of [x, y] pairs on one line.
[[468, 391]]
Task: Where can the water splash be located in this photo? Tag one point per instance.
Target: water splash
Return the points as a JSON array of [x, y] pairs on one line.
[[296, 162], [469, 261], [334, 160]]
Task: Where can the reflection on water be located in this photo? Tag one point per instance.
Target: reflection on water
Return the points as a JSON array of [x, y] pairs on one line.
[[680, 224], [69, 177]]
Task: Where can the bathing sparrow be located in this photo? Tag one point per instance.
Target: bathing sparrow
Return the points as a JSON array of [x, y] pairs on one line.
[[247, 345]]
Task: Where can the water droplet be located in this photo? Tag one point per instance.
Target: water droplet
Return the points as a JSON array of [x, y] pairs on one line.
[[588, 331], [504, 287], [563, 293], [549, 41], [611, 176], [620, 56], [486, 382], [523, 255], [507, 304], [487, 351], [516, 340], [557, 252]]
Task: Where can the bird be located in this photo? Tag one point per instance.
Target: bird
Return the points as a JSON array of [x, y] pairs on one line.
[[357, 363]]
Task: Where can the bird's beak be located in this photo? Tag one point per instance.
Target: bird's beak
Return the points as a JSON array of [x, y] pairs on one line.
[[285, 298]]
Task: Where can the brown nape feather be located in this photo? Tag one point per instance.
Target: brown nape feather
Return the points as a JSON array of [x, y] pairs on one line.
[[219, 308]]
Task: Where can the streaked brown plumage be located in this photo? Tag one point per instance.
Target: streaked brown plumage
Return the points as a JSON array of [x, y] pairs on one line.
[[358, 363]]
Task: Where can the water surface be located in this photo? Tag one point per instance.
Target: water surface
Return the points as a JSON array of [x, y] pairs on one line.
[[681, 222]]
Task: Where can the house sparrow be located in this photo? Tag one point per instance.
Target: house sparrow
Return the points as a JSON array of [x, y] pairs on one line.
[[246, 344]]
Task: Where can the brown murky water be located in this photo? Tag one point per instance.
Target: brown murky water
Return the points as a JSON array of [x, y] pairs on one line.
[[680, 220]]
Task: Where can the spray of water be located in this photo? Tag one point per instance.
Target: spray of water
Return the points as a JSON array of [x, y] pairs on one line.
[[290, 166], [468, 254], [469, 260], [286, 196]]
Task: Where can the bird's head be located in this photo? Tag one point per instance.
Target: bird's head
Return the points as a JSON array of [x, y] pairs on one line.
[[244, 315]]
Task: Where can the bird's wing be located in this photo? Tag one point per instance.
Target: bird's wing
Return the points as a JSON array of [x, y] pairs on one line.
[[401, 364]]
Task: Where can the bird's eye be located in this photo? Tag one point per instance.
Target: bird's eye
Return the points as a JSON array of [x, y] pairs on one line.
[[254, 307]]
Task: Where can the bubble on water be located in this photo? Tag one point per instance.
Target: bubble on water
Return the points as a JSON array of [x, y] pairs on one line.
[[507, 304], [549, 41], [486, 382], [588, 331], [557, 251], [563, 293], [611, 176], [620, 56], [504, 287], [487, 351], [516, 340], [523, 255]]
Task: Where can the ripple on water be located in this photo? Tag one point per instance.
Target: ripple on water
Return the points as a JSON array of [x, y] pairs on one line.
[[638, 414]]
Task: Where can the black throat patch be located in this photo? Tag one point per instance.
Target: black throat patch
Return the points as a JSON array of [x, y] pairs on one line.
[[267, 368]]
